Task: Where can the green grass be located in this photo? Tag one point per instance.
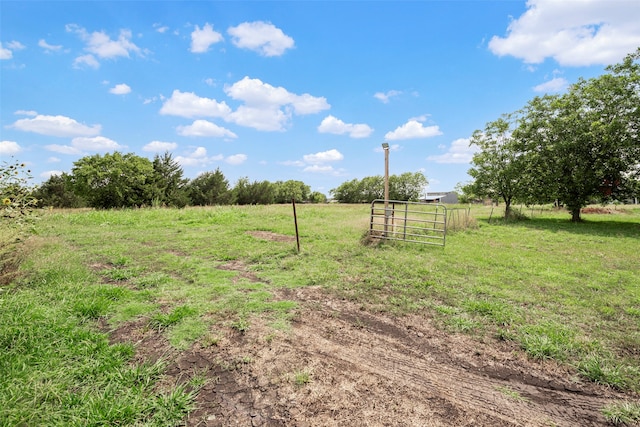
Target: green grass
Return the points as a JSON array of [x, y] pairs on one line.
[[622, 413], [557, 290]]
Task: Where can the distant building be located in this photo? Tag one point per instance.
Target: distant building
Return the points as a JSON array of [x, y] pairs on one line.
[[442, 197]]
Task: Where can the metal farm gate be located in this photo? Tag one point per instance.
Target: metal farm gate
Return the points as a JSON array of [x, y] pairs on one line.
[[408, 221]]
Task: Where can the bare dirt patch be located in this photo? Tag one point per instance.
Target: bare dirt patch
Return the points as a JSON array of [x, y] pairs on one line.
[[339, 365], [274, 237], [596, 210], [241, 268]]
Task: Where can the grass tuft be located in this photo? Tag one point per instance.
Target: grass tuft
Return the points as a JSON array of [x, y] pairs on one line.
[[622, 413], [163, 321]]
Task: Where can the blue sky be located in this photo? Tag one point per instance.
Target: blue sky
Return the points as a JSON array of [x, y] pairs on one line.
[[303, 90]]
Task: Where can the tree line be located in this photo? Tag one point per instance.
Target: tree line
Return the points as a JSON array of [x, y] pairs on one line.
[[116, 180], [406, 186], [569, 149]]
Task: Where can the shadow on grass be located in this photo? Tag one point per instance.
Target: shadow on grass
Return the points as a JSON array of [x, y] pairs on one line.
[[593, 227]]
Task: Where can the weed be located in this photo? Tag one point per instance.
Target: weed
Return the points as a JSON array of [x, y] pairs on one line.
[[547, 341], [240, 325], [198, 379], [151, 280], [301, 378], [512, 394], [462, 324], [210, 340], [622, 412], [121, 274], [91, 308], [163, 321], [602, 371]]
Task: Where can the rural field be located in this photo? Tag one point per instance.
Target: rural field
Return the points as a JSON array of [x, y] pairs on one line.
[[211, 317]]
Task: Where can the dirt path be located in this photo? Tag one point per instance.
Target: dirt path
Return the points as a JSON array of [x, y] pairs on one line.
[[341, 366]]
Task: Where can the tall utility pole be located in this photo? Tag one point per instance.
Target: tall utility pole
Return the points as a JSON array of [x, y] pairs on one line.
[[385, 147]]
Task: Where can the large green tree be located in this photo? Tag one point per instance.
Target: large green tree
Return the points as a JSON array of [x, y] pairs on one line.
[[253, 193], [291, 189], [407, 186], [209, 188], [576, 143], [168, 181], [58, 191], [497, 167], [348, 192], [114, 180]]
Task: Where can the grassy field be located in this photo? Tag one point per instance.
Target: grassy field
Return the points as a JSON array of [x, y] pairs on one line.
[[559, 290]]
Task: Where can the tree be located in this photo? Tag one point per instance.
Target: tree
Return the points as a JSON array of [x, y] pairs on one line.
[[371, 188], [168, 181], [58, 192], [575, 143], [253, 193], [209, 188], [287, 190], [497, 167], [407, 186], [114, 180], [348, 192], [317, 197]]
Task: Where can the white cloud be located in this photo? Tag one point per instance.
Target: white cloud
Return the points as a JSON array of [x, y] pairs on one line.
[[261, 118], [557, 84], [319, 169], [30, 113], [385, 97], [392, 147], [53, 160], [159, 146], [49, 47], [572, 33], [63, 149], [205, 128], [14, 45], [5, 53], [9, 147], [198, 158], [333, 125], [56, 126], [202, 39], [49, 174], [264, 104], [459, 152], [96, 143], [188, 104], [318, 162], [160, 28], [82, 145], [120, 89], [88, 60], [236, 159], [262, 37], [411, 130], [323, 157], [99, 44]]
